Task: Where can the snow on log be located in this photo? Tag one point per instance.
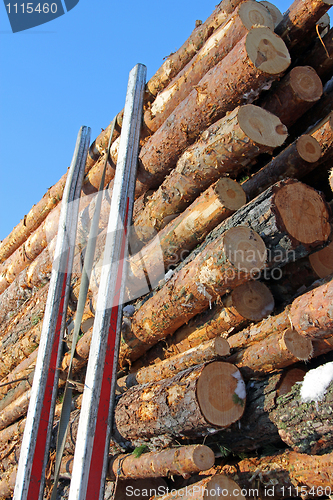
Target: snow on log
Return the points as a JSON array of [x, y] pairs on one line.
[[194, 403]]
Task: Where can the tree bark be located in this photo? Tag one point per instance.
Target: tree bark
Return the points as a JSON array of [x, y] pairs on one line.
[[217, 269], [217, 486], [319, 59], [185, 405], [305, 427], [294, 95], [298, 26], [225, 147], [295, 161], [287, 474], [323, 133], [93, 178], [32, 220], [176, 61], [311, 314], [220, 43], [273, 353], [260, 57], [15, 410], [207, 351]]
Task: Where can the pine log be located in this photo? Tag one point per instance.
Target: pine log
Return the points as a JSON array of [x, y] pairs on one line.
[[207, 351], [274, 12], [15, 410], [295, 161], [141, 489], [177, 461], [260, 57], [305, 426], [11, 432], [181, 235], [218, 486], [14, 297], [184, 405], [321, 56], [225, 147], [323, 133], [32, 220], [331, 179], [294, 95], [322, 261], [18, 388], [93, 178], [277, 351], [221, 42], [176, 61], [251, 301], [228, 262], [312, 313], [284, 475], [7, 483], [298, 26]]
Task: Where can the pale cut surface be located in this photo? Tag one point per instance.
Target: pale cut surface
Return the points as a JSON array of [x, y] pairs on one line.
[[303, 213], [230, 193], [253, 300], [267, 51], [306, 83], [274, 12], [298, 345], [223, 487], [308, 148], [245, 249], [217, 389], [322, 261], [262, 126], [254, 14], [203, 457]]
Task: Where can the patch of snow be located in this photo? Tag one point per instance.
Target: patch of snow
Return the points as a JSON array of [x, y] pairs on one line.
[[316, 382], [240, 389]]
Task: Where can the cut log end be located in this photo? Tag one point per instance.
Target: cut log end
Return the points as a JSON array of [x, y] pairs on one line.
[[274, 12], [221, 394], [298, 345], [306, 83], [231, 195], [245, 249], [221, 346], [303, 212], [203, 457], [224, 487], [254, 14], [262, 126], [289, 379], [331, 179], [253, 300], [322, 261], [308, 148], [267, 51]]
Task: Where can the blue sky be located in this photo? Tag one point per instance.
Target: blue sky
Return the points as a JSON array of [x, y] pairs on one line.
[[70, 72]]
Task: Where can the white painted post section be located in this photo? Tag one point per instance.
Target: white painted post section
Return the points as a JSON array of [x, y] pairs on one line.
[[93, 437]]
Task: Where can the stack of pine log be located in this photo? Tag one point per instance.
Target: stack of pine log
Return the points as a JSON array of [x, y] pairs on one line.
[[230, 287]]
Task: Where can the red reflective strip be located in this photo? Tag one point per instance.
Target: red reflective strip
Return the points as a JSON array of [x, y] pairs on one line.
[[96, 464], [40, 447]]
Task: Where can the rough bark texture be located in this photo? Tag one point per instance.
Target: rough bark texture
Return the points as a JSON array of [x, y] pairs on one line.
[[215, 49], [157, 413], [260, 57], [273, 353], [93, 178], [190, 291], [294, 95], [179, 461], [312, 313], [15, 410], [305, 427], [284, 475], [207, 351], [298, 26], [225, 147], [319, 59], [295, 161], [323, 133]]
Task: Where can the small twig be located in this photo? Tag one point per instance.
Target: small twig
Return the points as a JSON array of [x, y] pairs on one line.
[[320, 38], [13, 381]]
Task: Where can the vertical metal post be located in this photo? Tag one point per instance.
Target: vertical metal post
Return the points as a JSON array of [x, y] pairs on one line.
[[37, 433], [91, 452]]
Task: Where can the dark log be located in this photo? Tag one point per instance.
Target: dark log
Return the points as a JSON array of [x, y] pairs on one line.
[[184, 405], [321, 56], [260, 57]]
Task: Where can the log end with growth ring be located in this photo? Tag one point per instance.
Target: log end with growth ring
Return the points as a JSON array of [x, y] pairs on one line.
[[322, 261], [221, 394], [289, 379], [245, 249], [305, 83], [298, 345], [303, 213], [274, 12], [203, 457], [308, 148], [223, 487], [253, 300], [267, 51], [262, 126], [230, 194], [254, 14]]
